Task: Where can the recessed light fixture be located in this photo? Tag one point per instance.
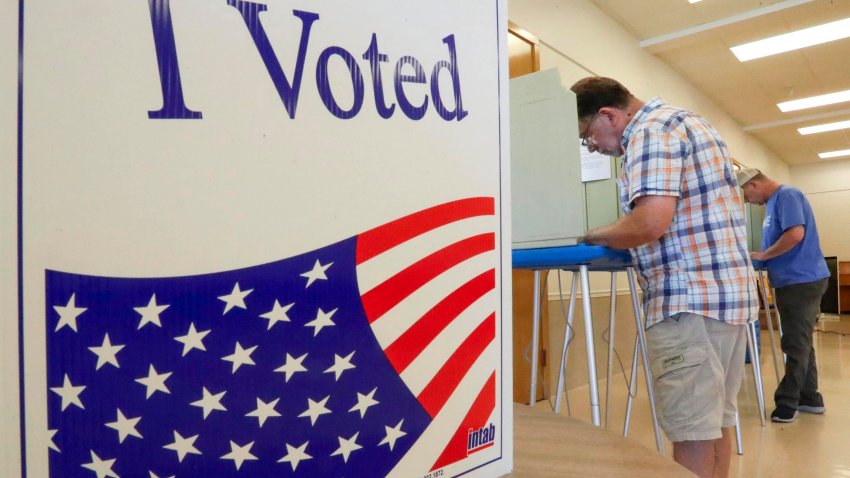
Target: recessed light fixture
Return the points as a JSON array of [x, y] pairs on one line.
[[814, 101], [835, 154], [793, 41], [823, 128], [694, 1]]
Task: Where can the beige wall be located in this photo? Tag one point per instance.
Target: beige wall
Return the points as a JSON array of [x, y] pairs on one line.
[[827, 185]]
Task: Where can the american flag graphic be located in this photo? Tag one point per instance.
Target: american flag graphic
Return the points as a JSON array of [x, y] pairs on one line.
[[337, 362]]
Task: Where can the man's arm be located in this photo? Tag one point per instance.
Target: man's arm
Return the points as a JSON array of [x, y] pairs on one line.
[[790, 238], [651, 216]]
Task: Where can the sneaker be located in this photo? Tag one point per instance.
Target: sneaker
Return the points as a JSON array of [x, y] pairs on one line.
[[811, 409], [784, 414]]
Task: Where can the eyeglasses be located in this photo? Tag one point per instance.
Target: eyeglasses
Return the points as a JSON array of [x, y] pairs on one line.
[[588, 141]]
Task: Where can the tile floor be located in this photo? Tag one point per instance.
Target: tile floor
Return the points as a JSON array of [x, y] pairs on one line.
[[812, 446]]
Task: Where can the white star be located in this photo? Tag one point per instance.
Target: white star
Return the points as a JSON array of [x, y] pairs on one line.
[[364, 402], [346, 446], [183, 446], [106, 353], [239, 454], [150, 313], [317, 273], [340, 365], [69, 393], [153, 475], [240, 357], [192, 340], [210, 402], [50, 444], [323, 319], [234, 299], [264, 411], [125, 426], [155, 382], [292, 366], [277, 314], [295, 455], [315, 409], [103, 468], [68, 314], [393, 434]]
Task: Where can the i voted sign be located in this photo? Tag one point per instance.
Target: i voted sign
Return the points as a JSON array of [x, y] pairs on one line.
[[261, 239]]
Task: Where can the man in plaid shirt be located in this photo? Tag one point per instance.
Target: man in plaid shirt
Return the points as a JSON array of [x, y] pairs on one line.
[[685, 227]]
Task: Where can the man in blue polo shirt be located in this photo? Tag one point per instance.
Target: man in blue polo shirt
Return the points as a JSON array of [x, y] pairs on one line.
[[796, 268]]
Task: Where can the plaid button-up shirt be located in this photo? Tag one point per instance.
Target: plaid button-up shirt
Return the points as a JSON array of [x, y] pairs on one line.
[[701, 263]]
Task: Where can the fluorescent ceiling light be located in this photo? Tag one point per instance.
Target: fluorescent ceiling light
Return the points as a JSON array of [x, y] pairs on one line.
[[823, 128], [835, 154], [793, 41], [694, 1], [814, 101]]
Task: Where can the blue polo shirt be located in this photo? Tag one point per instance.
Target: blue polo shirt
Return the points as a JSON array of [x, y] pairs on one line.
[[788, 207]]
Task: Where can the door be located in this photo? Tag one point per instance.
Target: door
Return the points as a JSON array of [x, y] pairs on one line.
[[524, 58]]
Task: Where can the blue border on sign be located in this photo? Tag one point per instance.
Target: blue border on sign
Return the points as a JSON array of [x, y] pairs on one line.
[[21, 393], [499, 40]]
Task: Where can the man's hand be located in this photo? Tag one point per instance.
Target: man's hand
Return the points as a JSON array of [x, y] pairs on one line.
[[758, 256], [588, 239]]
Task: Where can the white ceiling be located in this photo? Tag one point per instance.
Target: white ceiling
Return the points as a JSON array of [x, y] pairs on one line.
[[749, 91]]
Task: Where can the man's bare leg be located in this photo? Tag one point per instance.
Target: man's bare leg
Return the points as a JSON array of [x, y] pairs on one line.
[[723, 453], [697, 456]]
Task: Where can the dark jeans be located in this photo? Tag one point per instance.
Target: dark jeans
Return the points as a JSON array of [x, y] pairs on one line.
[[798, 306]]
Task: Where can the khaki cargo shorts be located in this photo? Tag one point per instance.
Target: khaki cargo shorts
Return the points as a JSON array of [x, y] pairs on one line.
[[697, 364]]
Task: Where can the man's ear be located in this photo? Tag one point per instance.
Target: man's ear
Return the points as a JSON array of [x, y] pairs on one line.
[[612, 114]]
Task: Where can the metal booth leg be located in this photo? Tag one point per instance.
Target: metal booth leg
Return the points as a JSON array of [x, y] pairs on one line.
[[763, 284], [610, 346], [535, 330], [569, 326], [632, 387], [591, 350], [738, 434], [630, 272], [755, 361]]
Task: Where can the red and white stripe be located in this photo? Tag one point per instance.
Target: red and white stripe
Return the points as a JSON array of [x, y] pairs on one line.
[[428, 286]]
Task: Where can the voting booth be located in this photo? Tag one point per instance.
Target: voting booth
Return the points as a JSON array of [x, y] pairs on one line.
[[548, 206], [558, 190]]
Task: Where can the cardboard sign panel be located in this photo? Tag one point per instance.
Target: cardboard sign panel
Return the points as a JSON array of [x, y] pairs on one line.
[[262, 239]]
